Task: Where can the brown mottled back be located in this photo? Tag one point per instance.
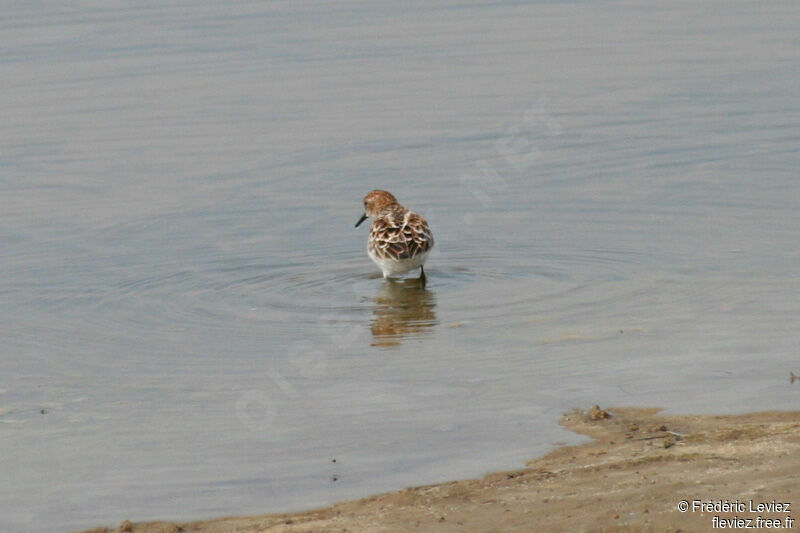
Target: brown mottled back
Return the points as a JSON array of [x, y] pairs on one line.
[[400, 234]]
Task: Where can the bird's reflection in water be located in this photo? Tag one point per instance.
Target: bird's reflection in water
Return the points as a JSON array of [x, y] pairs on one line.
[[403, 308]]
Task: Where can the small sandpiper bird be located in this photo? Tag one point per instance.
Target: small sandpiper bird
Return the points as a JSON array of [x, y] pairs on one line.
[[400, 239]]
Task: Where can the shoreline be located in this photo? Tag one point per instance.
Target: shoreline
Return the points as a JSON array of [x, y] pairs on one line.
[[632, 476]]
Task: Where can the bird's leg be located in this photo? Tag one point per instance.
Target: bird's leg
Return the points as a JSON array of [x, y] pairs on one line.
[[422, 279]]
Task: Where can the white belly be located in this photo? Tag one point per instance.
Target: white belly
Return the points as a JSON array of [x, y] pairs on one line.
[[392, 268]]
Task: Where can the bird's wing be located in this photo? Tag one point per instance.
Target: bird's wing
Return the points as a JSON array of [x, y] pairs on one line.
[[401, 236]]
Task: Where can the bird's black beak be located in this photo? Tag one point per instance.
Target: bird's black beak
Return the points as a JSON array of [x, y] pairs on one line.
[[362, 219]]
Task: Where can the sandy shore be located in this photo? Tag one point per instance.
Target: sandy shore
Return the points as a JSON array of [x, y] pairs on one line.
[[632, 477]]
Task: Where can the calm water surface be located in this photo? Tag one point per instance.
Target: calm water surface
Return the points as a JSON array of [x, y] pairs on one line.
[[191, 326]]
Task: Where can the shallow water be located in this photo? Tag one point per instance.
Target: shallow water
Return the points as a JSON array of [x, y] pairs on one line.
[[192, 327]]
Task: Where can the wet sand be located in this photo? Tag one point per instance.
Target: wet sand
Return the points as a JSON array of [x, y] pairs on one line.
[[631, 477]]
